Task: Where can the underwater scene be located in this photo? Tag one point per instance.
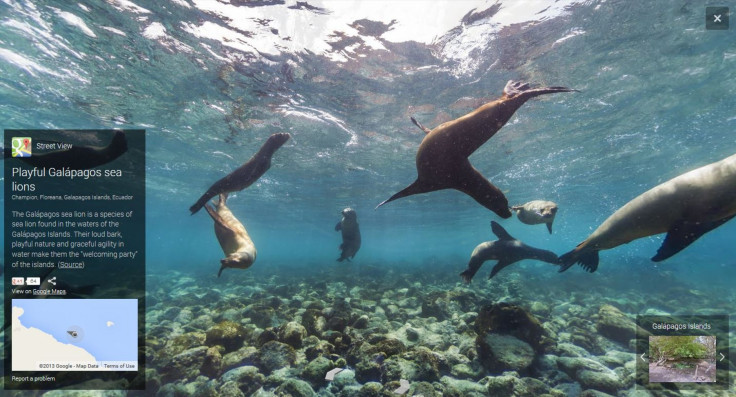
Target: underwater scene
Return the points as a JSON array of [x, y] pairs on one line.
[[553, 177]]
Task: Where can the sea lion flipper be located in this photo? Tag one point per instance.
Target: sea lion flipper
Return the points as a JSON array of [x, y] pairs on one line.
[[500, 265], [587, 260], [418, 124], [201, 202], [500, 232], [338, 227], [415, 188], [220, 222], [683, 234], [468, 274], [549, 227], [516, 88], [475, 185]]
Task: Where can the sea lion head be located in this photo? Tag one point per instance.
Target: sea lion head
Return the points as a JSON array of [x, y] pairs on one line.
[[238, 260], [278, 139], [349, 213], [549, 210]]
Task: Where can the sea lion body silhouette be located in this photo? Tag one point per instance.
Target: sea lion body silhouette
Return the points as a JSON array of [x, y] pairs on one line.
[[506, 250], [442, 158], [234, 239], [350, 234], [246, 174], [686, 207], [536, 212]]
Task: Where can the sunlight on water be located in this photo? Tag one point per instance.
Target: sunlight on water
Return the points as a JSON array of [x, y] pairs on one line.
[[211, 80]]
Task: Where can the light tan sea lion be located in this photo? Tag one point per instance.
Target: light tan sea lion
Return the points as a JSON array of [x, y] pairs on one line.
[[536, 212], [442, 158], [246, 174], [686, 207], [233, 238], [506, 250], [350, 234]]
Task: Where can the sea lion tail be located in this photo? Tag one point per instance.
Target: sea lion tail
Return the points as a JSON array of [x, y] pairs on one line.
[[586, 260], [418, 124], [200, 203]]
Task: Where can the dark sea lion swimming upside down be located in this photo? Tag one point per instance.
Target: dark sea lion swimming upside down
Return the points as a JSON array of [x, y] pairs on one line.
[[442, 158]]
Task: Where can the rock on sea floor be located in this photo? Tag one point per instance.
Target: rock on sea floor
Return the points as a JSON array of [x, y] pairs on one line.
[[277, 332]]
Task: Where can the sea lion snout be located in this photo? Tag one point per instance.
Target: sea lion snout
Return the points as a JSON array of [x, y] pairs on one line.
[[549, 212], [279, 138], [504, 212], [500, 206], [238, 260]]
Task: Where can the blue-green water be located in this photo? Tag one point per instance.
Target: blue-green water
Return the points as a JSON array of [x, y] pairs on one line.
[[210, 81]]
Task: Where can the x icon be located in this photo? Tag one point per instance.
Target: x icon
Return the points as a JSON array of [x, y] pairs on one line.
[[716, 18]]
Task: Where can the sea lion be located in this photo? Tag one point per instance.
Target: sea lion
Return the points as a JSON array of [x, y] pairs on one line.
[[350, 234], [686, 207], [536, 212], [233, 238], [442, 158], [78, 157], [506, 250], [246, 174]]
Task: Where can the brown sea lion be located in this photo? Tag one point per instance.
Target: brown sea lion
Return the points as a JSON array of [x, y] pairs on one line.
[[246, 174], [233, 238], [442, 158], [506, 250], [350, 234], [536, 212], [686, 207]]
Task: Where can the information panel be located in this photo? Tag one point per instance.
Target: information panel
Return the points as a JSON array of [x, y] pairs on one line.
[[74, 259]]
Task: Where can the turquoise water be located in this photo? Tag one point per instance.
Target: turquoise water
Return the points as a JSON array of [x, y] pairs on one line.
[[211, 81]]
